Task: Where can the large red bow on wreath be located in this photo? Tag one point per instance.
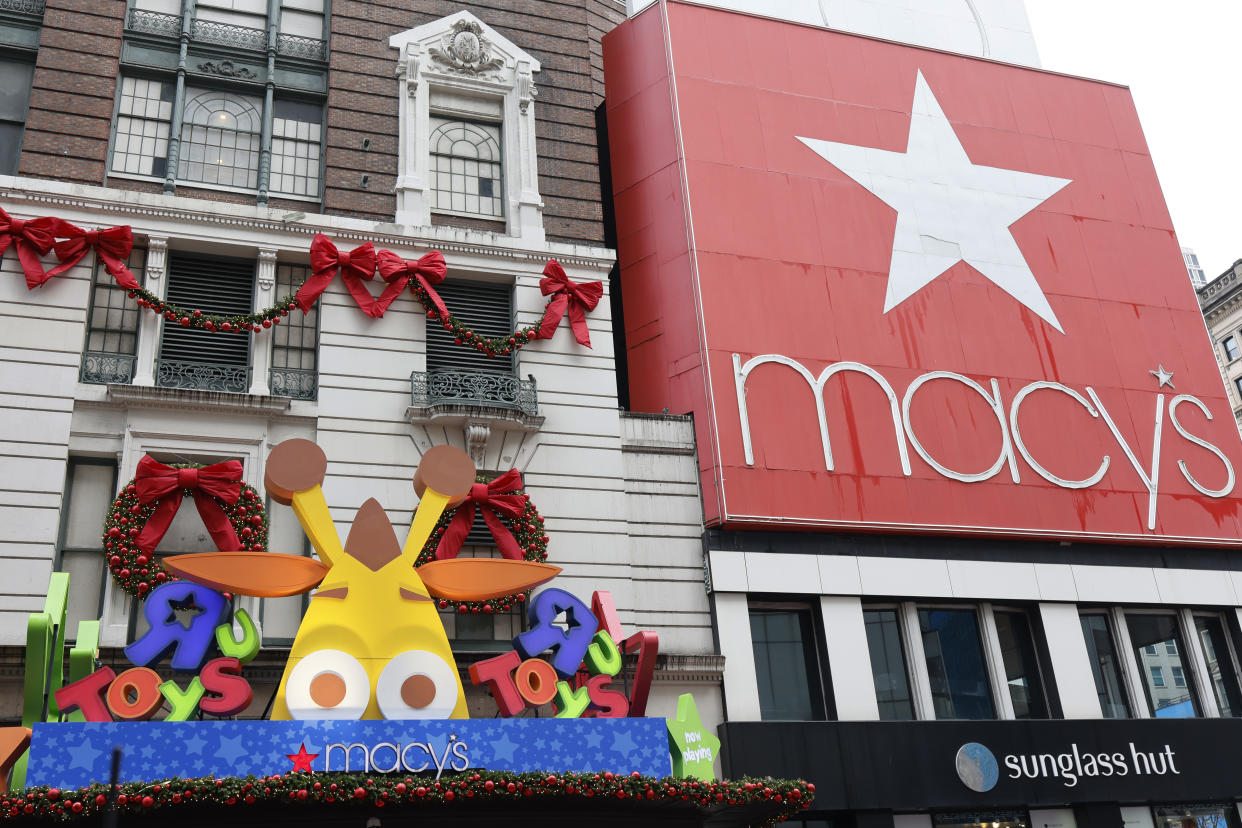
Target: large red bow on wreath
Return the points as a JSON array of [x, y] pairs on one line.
[[111, 245], [494, 502], [569, 294], [32, 239], [354, 266], [426, 271], [157, 482]]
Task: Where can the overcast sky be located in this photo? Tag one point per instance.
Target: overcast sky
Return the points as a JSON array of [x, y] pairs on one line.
[[1183, 63]]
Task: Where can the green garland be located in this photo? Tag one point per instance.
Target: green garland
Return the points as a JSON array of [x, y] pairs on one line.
[[356, 790], [463, 335], [461, 332], [136, 572], [178, 315], [528, 531]]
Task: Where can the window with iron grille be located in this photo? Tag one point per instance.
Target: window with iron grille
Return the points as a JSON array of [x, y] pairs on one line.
[[295, 342], [193, 358], [112, 326], [487, 309]]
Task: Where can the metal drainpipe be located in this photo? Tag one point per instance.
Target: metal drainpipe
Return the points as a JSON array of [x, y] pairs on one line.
[[174, 128]]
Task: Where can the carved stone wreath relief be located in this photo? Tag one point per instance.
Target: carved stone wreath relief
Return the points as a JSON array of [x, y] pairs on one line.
[[465, 51]]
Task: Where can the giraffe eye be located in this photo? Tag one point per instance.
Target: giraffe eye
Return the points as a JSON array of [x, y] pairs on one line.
[[417, 685], [328, 684]]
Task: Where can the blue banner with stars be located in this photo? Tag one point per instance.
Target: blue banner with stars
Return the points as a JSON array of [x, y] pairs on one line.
[[72, 754]]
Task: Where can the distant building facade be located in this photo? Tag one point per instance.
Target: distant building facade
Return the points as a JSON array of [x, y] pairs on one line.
[[1197, 277], [1221, 301]]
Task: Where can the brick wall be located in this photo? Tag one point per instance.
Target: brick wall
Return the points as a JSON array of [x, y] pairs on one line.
[[562, 34], [73, 92]]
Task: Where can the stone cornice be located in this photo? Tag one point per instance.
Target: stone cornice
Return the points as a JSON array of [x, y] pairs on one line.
[[186, 399], [287, 228]]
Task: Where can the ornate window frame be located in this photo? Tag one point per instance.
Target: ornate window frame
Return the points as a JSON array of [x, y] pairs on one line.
[[462, 54]]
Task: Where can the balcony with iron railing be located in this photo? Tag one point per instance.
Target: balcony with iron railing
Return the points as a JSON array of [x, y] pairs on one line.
[[202, 376], [223, 34], [30, 8], [486, 390], [120, 369], [485, 405], [295, 383], [107, 369]]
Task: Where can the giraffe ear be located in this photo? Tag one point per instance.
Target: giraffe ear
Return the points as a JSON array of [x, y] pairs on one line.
[[261, 574], [477, 579]]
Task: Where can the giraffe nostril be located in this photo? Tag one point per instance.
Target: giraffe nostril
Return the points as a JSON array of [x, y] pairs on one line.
[[327, 689], [418, 691]]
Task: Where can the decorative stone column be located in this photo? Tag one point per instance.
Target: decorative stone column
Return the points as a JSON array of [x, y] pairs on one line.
[[151, 325], [261, 343]]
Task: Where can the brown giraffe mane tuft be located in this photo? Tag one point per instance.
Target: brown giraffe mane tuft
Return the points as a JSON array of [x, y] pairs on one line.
[[372, 540]]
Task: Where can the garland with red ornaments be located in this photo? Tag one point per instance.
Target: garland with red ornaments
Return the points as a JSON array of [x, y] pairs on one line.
[[515, 524], [142, 511], [354, 790], [34, 239]]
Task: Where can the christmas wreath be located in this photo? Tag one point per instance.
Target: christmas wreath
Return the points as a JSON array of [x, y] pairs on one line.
[[514, 522], [143, 510]]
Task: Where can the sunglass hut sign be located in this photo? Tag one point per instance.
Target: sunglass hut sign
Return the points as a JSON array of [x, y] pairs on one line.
[[978, 768]]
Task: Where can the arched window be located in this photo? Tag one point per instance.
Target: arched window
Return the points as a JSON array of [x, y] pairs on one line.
[[465, 167], [220, 136]]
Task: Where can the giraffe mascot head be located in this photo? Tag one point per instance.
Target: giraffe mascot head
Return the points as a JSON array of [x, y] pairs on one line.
[[371, 645]]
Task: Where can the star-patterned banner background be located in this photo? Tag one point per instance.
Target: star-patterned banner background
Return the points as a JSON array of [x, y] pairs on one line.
[[72, 754]]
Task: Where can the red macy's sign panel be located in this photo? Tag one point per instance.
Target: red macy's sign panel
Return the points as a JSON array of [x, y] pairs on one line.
[[908, 290]]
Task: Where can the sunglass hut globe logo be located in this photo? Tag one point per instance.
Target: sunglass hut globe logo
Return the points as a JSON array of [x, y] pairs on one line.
[[977, 767]]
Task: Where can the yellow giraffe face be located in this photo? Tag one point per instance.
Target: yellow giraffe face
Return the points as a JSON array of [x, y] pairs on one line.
[[371, 645]]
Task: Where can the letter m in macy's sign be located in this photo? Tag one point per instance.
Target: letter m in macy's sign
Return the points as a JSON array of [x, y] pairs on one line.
[[906, 290]]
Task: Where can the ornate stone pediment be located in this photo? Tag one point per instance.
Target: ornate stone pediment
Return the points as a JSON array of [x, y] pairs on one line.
[[458, 67], [464, 46]]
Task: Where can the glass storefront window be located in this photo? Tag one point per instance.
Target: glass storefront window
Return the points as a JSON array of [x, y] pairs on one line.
[[955, 664], [1219, 661], [1192, 816], [888, 664], [1166, 699], [786, 664], [984, 819], [1105, 666], [1026, 690]]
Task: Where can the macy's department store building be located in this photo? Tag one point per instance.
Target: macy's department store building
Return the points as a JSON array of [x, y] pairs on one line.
[[969, 471]]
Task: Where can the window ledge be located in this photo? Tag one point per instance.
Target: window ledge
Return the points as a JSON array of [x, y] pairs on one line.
[[149, 396]]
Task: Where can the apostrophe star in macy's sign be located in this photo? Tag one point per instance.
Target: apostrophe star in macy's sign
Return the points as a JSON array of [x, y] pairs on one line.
[[949, 209]]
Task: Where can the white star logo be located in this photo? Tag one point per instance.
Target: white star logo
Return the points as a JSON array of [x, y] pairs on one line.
[[949, 210], [1163, 377]]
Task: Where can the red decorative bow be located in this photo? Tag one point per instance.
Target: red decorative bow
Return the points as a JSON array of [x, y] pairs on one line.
[[428, 270], [569, 294], [111, 245], [155, 481], [354, 266], [32, 239], [494, 502]]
